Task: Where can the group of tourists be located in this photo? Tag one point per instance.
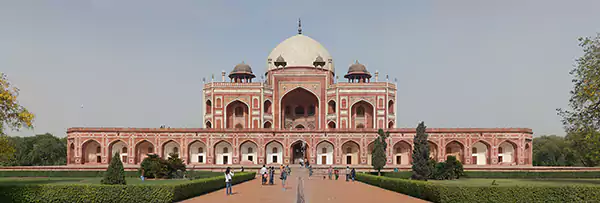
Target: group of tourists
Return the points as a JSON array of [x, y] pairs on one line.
[[334, 172], [268, 174]]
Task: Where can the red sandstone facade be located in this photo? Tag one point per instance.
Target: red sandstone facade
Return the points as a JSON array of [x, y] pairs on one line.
[[300, 102]]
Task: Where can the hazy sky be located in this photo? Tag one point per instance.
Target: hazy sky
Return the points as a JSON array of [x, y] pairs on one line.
[[141, 63]]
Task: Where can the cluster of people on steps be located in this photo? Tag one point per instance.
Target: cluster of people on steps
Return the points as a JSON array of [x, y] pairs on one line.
[[267, 175]]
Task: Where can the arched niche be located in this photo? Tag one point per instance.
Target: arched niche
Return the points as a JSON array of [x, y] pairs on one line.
[[171, 148], [274, 152], [350, 153], [197, 152], [91, 152], [362, 115], [480, 153], [223, 153], [249, 154], [237, 115], [324, 153], [402, 153], [142, 149], [118, 147]]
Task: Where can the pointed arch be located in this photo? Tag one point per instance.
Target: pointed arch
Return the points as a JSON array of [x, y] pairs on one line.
[[391, 106], [120, 147], [197, 152], [402, 152], [433, 150], [331, 107], [507, 152], [91, 152], [171, 147], [267, 107], [223, 151], [248, 152], [331, 125], [208, 124], [267, 124], [237, 113], [274, 152], [208, 107], [142, 149], [362, 113], [457, 149], [297, 152], [325, 152], [481, 153], [304, 97], [350, 152]]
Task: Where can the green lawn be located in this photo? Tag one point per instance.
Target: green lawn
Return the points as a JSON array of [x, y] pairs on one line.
[[511, 182], [86, 180]]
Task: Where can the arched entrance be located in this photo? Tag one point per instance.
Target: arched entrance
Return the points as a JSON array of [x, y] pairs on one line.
[[480, 153], [248, 153], [456, 149], [300, 107], [91, 152], [402, 153], [324, 153], [362, 115], [351, 151], [170, 148], [237, 115], [299, 151], [142, 149], [120, 148], [223, 153], [197, 153], [527, 154], [274, 153], [507, 153]]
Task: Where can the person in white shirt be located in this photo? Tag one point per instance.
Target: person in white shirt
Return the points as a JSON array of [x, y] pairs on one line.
[[263, 174], [228, 177]]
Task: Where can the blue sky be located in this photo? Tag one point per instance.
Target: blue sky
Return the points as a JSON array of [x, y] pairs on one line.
[[141, 63]]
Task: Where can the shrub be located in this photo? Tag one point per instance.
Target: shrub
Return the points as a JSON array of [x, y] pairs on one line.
[[175, 166], [445, 193], [420, 158], [448, 170], [115, 174], [154, 167], [116, 193], [532, 174]]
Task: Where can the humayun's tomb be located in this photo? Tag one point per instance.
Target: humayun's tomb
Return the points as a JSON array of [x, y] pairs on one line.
[[299, 103]]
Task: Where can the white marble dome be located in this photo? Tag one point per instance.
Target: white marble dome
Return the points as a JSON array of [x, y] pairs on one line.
[[300, 51]]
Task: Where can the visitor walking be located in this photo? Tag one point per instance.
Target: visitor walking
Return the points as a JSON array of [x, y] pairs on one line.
[[142, 176], [242, 169], [337, 173], [330, 172], [283, 177], [271, 174], [228, 177], [310, 171], [288, 170], [353, 174], [347, 173], [263, 174]]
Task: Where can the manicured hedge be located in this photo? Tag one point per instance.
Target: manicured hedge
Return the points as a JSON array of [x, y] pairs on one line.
[[446, 193], [78, 174], [527, 174], [116, 193], [507, 174]]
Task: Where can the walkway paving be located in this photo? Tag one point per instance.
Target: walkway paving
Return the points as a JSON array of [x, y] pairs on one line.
[[312, 190]]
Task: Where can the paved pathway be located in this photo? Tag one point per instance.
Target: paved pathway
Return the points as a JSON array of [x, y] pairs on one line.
[[302, 189]]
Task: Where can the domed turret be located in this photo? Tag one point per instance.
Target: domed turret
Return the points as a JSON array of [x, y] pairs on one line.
[[358, 73], [241, 73]]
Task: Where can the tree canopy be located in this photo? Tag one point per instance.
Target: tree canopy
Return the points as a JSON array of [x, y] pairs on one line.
[[379, 158], [13, 116], [420, 156], [582, 120], [39, 150], [552, 150]]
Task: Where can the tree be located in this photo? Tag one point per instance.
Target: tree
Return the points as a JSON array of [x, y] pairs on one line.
[[379, 158], [12, 115], [585, 151], [583, 119], [553, 150], [39, 150], [154, 167], [175, 166], [7, 150], [420, 155], [115, 174]]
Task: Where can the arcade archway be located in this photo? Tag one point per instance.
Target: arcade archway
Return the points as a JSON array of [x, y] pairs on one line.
[[300, 108]]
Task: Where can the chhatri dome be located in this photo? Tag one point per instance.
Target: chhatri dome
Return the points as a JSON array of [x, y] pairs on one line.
[[300, 51]]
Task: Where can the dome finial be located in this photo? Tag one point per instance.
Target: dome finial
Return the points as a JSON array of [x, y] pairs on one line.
[[299, 26]]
